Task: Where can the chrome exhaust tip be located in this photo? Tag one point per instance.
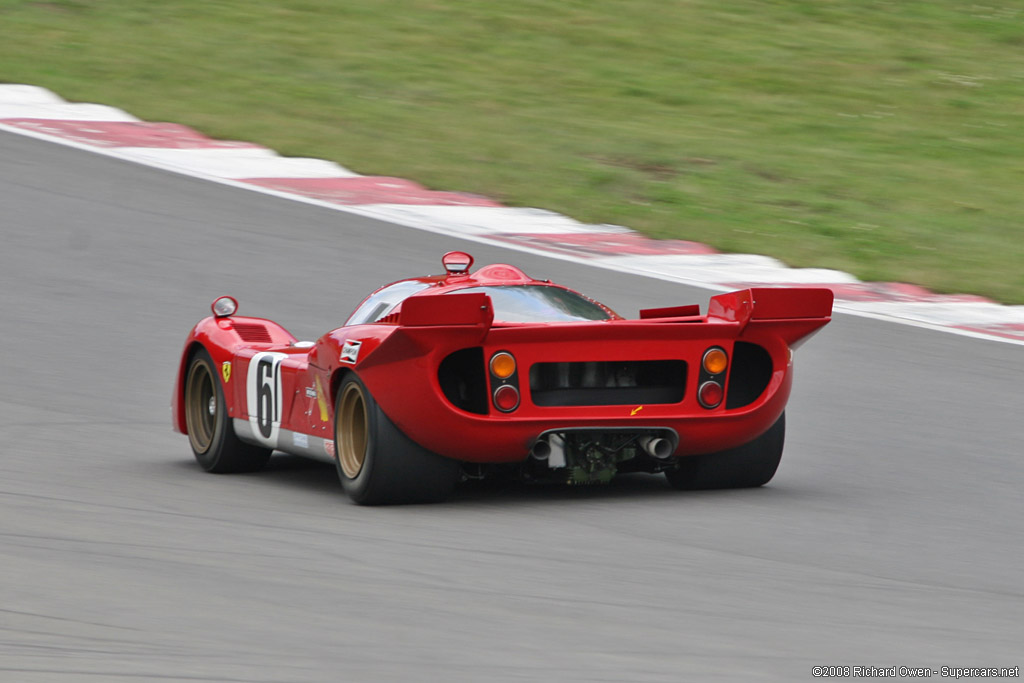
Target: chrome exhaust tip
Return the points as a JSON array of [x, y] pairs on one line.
[[541, 450], [657, 447]]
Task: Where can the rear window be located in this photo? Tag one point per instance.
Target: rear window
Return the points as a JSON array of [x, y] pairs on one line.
[[383, 301], [539, 303]]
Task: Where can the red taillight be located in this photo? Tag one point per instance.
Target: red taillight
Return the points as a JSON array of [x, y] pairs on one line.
[[506, 398], [710, 394]]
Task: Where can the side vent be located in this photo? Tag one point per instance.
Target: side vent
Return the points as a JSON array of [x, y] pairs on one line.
[[463, 380], [749, 376], [252, 332]]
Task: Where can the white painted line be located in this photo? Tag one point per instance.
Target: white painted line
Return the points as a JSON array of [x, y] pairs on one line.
[[968, 313], [728, 268], [13, 93], [237, 162], [65, 112], [481, 220]]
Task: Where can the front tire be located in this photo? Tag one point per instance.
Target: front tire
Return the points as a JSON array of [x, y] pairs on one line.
[[750, 465], [210, 432], [376, 462]]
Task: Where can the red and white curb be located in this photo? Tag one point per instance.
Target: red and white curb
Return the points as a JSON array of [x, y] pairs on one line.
[[37, 112]]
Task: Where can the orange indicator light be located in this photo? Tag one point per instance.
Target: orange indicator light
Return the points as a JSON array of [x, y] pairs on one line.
[[715, 361], [503, 365]]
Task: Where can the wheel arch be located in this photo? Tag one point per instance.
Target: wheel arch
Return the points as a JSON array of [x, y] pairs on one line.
[[178, 400], [393, 469], [337, 379]]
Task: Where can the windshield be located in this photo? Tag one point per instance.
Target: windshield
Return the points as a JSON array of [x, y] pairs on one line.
[[381, 302], [539, 303]]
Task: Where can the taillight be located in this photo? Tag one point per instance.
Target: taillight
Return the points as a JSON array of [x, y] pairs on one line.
[[503, 365], [711, 387], [504, 381], [506, 398], [710, 394], [715, 361]]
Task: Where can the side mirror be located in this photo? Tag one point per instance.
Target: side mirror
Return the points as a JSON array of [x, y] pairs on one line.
[[456, 262], [224, 306]]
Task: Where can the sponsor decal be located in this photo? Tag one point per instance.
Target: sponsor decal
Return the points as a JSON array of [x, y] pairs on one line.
[[321, 400], [350, 352], [310, 392], [329, 447], [300, 440], [637, 410], [225, 371]]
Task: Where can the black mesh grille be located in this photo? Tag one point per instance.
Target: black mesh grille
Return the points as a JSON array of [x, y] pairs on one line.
[[608, 383]]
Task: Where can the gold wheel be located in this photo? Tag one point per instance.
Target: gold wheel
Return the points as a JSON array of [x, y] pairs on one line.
[[352, 430], [201, 406]]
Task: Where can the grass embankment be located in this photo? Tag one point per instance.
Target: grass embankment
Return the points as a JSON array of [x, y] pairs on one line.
[[881, 138]]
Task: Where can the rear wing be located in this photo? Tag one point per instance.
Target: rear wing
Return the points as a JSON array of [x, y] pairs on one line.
[[762, 303], [473, 308], [436, 324], [793, 312], [427, 323]]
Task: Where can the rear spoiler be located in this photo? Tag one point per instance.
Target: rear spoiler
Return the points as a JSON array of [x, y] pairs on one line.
[[473, 308], [795, 311], [424, 322]]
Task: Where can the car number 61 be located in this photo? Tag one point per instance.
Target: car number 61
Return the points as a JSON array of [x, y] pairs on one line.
[[263, 396]]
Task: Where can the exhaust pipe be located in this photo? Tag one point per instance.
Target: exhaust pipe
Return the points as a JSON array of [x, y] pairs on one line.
[[541, 449], [656, 447]]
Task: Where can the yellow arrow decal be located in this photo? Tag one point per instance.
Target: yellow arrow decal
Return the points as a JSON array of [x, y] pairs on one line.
[[321, 400]]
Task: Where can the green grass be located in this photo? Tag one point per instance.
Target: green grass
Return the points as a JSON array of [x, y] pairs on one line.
[[884, 138]]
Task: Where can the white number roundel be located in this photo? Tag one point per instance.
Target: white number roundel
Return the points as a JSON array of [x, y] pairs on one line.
[[263, 396]]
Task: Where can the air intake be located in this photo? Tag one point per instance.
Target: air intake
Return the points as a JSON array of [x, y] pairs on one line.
[[252, 332]]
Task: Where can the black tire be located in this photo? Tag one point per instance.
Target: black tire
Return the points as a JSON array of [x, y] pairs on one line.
[[210, 431], [376, 462], [747, 466]]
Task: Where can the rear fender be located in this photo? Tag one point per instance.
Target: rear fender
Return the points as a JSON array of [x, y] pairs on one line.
[[402, 370]]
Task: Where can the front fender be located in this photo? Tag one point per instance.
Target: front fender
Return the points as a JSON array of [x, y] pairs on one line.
[[221, 340]]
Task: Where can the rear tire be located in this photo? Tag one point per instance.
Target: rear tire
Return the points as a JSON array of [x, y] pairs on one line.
[[747, 466], [210, 432], [376, 462]]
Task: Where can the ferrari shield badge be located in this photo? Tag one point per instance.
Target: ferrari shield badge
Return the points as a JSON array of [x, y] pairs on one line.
[[225, 371]]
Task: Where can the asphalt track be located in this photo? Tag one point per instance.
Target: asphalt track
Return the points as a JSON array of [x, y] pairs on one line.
[[892, 535]]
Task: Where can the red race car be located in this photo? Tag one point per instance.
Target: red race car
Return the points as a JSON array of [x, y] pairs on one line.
[[438, 378]]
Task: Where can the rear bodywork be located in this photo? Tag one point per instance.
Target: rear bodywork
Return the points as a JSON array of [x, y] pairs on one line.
[[630, 389]]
